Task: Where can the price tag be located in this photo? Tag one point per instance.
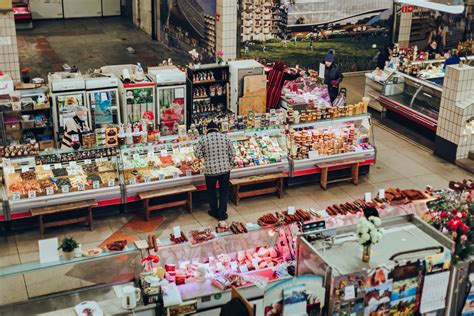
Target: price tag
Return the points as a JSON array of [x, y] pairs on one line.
[[96, 185], [177, 231], [81, 187], [243, 268], [161, 176], [46, 167], [31, 194], [271, 265], [188, 173], [382, 193], [175, 174], [183, 150], [349, 292], [233, 265], [9, 170], [136, 156], [57, 166], [255, 263], [291, 210], [72, 163], [65, 189], [368, 197], [87, 161], [132, 181], [111, 183], [16, 196], [147, 179], [164, 153], [25, 169], [49, 191], [151, 154], [175, 151], [219, 266]]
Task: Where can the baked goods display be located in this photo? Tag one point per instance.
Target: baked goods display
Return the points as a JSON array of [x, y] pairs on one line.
[[398, 196], [46, 179], [326, 141], [118, 245], [20, 150], [76, 155], [257, 151]]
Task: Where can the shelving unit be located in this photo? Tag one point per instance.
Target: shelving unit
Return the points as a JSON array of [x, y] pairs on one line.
[[207, 93]]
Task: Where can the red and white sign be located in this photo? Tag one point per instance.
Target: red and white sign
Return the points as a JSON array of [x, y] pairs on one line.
[[407, 8]]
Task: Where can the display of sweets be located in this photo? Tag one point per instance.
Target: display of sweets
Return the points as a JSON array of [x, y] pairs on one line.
[[313, 114], [257, 151], [325, 141], [19, 150]]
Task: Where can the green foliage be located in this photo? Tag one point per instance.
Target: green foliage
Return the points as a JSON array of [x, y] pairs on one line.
[[68, 244]]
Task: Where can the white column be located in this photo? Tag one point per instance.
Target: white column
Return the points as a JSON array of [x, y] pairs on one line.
[[457, 108], [405, 29], [226, 28], [9, 61]]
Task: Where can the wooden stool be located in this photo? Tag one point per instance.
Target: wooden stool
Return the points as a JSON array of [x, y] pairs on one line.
[[62, 208], [325, 166], [146, 196], [238, 183]]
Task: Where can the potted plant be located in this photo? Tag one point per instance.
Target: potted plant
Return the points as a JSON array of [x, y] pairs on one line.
[[369, 232], [67, 246]]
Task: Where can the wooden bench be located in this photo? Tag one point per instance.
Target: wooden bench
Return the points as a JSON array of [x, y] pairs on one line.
[[62, 208], [187, 189], [325, 166], [238, 183]]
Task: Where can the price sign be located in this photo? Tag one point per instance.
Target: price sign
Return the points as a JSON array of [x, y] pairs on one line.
[[87, 161], [147, 179], [111, 183], [49, 191], [81, 187], [161, 176], [25, 169], [72, 163], [96, 185], [9, 170], [368, 197], [164, 153], [151, 154], [136, 156], [183, 150], [65, 189], [175, 174], [233, 265], [188, 173], [16, 196], [219, 266], [57, 166], [31, 194], [46, 167], [255, 263], [177, 231], [291, 210], [243, 268], [132, 181], [175, 150], [382, 193]]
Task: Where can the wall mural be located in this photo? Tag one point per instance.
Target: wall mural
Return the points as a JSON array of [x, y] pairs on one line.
[[302, 31], [190, 24]]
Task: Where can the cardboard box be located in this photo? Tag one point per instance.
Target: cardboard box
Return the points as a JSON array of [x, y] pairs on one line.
[[44, 144]]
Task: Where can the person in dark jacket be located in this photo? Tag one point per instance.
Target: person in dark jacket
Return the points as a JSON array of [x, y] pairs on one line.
[[332, 75], [453, 58], [384, 56], [433, 49]]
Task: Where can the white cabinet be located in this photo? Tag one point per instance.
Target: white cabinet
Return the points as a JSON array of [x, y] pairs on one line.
[[82, 8], [47, 9], [111, 7]]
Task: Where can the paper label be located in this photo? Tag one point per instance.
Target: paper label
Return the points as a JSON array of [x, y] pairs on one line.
[[349, 292], [188, 173], [81, 186], [16, 196], [255, 263], [233, 265], [219, 266], [49, 191], [132, 181], [435, 287], [48, 250], [72, 163], [175, 174], [95, 184], [111, 183], [243, 268], [291, 210], [87, 161], [382, 193], [31, 194], [175, 151], [136, 156], [150, 154], [46, 167], [182, 150], [25, 169], [368, 197], [164, 153], [147, 179], [177, 231], [57, 166], [65, 189]]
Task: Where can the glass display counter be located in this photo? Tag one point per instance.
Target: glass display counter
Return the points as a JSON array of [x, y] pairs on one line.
[[415, 99]]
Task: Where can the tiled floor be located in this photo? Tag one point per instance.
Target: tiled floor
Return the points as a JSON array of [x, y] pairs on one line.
[[400, 163]]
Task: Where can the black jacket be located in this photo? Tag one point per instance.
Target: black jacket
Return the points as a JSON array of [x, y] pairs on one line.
[[333, 73]]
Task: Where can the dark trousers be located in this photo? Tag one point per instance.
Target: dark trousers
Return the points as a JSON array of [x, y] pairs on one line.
[[333, 93], [211, 182]]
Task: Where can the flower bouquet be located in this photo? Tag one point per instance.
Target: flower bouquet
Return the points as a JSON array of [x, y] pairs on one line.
[[369, 234], [220, 56]]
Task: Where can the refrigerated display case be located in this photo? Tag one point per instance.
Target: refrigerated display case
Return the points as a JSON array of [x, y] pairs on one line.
[[171, 98], [61, 177], [22, 13], [341, 139], [412, 98], [68, 93], [407, 247], [47, 9], [103, 99]]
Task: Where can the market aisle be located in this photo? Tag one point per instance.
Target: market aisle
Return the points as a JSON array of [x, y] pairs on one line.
[[400, 163]]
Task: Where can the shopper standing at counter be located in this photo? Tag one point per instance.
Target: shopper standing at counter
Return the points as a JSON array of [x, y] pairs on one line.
[[453, 58], [218, 154], [384, 56], [332, 75], [74, 128]]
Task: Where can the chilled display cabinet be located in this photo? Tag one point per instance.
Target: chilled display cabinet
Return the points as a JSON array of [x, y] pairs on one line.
[[414, 99], [103, 99]]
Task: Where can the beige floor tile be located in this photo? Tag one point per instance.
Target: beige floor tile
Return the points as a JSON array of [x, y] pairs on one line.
[[9, 260], [8, 246], [358, 191], [55, 278], [381, 172], [12, 290], [26, 257], [433, 180]]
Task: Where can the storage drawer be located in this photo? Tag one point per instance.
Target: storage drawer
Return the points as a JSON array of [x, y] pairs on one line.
[[12, 127], [27, 124]]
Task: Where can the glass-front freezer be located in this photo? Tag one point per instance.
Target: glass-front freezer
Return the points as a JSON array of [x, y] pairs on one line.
[[171, 108], [104, 107]]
